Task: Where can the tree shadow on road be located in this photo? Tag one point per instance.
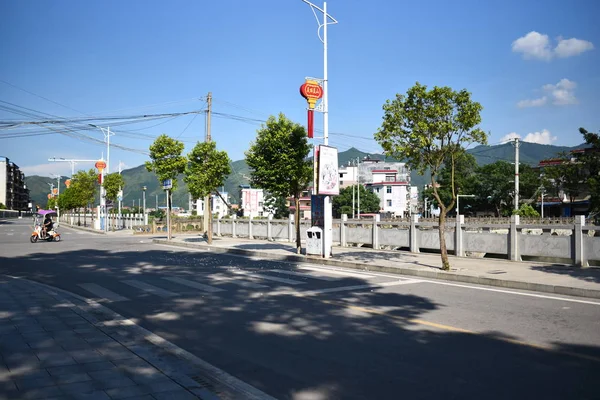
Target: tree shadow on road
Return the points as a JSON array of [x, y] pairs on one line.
[[591, 274], [353, 344]]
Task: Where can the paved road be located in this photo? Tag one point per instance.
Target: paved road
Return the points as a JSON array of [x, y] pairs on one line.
[[309, 332]]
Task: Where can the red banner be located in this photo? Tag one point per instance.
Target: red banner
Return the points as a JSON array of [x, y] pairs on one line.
[[311, 114]]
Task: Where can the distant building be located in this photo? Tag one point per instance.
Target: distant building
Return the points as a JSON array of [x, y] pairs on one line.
[[252, 202], [13, 191], [218, 206]]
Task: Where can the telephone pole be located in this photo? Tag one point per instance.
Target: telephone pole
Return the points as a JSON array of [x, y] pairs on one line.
[[517, 144], [207, 212]]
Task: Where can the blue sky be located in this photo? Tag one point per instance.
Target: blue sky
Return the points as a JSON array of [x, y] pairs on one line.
[[529, 63]]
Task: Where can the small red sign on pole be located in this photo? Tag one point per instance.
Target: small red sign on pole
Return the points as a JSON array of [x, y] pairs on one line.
[[311, 91]]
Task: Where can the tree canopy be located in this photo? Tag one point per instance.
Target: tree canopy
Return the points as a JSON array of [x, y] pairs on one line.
[[342, 204], [112, 184], [429, 129], [167, 159], [278, 162]]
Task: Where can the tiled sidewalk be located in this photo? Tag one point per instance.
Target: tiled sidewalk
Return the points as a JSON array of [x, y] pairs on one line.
[[52, 348]]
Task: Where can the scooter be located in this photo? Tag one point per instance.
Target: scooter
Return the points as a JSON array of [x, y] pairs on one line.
[[39, 234]]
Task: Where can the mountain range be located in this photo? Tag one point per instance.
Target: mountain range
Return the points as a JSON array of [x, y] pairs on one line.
[[138, 177]]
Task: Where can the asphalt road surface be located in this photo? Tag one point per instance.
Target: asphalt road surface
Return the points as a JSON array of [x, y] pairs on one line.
[[302, 331]]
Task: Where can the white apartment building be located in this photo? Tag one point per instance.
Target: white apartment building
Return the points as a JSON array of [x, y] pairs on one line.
[[218, 206], [252, 202]]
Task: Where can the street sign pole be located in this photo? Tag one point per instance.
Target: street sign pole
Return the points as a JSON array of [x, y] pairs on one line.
[[167, 185]]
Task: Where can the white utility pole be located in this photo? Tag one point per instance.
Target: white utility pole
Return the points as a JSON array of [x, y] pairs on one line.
[[543, 193], [358, 187], [517, 144], [57, 194], [327, 206]]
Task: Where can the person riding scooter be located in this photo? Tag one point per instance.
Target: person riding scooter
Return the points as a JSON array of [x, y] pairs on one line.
[[47, 226]]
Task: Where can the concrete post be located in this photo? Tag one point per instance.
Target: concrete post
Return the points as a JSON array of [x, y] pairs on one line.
[[250, 228], [219, 226], [458, 239], [513, 239], [291, 228], [579, 251], [412, 234], [269, 228], [233, 219], [343, 222], [375, 240]]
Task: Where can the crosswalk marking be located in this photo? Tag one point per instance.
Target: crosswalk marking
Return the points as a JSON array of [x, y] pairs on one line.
[[195, 285], [305, 275], [269, 277], [102, 292], [146, 287], [336, 272], [238, 282]]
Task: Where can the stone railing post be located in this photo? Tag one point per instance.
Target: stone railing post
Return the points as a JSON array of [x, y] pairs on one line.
[[375, 238], [513, 239], [250, 228], [269, 228], [412, 234], [458, 238], [343, 222], [579, 251], [291, 228], [219, 225], [233, 220]]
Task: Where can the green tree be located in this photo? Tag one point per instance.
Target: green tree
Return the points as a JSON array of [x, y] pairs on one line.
[[66, 200], [167, 162], [206, 171], [342, 204], [567, 176], [52, 202], [527, 211], [2, 206], [278, 162], [428, 128], [112, 184], [591, 160], [465, 178], [277, 205], [84, 184]]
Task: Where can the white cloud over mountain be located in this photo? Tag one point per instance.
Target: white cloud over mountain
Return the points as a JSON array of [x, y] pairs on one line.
[[535, 45], [543, 137], [561, 94]]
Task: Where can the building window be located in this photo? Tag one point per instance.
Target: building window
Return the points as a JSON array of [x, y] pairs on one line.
[[260, 213], [260, 203], [389, 203], [388, 189], [377, 189], [390, 178]]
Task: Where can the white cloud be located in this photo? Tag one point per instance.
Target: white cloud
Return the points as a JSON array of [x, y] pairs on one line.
[[509, 137], [543, 137], [561, 94], [572, 47], [535, 45], [57, 168], [532, 103]]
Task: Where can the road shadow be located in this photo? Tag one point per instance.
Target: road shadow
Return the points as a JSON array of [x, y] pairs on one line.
[[353, 344], [590, 274]]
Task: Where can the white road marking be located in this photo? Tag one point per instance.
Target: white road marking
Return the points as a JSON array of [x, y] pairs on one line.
[[304, 275], [146, 287], [269, 278], [102, 292], [195, 285], [237, 282], [342, 288], [341, 272], [542, 296]]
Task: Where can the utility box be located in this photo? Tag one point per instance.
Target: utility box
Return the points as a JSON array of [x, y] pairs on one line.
[[314, 241]]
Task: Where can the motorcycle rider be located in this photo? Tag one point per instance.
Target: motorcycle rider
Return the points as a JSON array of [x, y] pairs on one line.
[[47, 225]]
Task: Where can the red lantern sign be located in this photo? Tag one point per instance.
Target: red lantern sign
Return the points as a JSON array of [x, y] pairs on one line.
[[68, 183], [100, 165], [100, 179], [311, 91], [54, 191], [49, 196]]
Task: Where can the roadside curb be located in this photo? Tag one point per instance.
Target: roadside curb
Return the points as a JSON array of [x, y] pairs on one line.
[[441, 275], [83, 228]]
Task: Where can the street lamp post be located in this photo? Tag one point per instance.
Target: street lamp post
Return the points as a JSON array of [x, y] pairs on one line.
[[458, 196], [144, 195]]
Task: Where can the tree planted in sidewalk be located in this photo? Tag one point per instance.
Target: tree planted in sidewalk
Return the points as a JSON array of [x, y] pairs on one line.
[[428, 128], [113, 183], [167, 161], [84, 185], [206, 171], [278, 162]]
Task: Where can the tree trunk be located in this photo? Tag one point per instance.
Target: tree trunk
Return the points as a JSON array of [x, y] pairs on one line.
[[443, 250], [85, 216], [297, 222], [209, 232]]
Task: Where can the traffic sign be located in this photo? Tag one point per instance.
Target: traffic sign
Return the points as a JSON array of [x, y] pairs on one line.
[[167, 184]]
